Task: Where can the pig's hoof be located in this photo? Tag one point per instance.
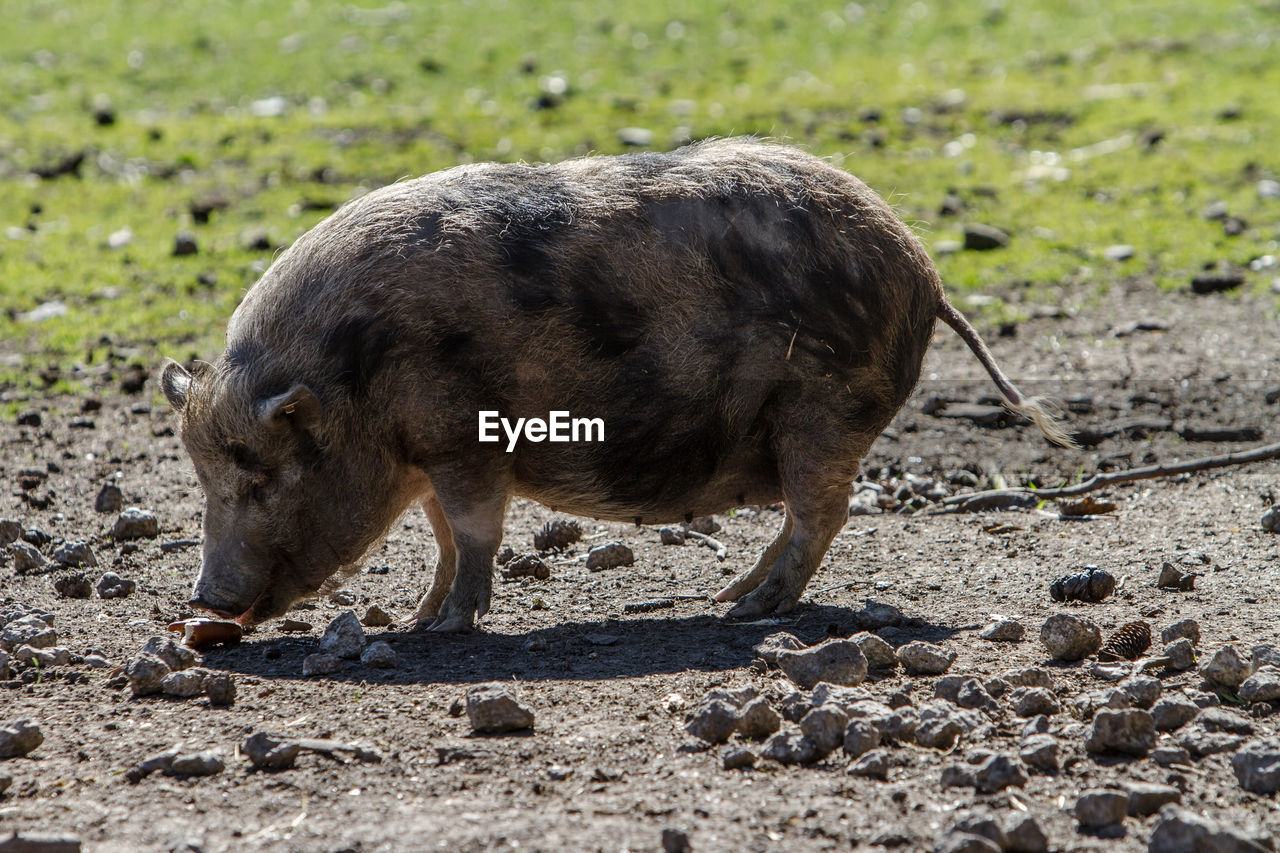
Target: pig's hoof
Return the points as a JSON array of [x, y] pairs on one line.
[[762, 602], [456, 624]]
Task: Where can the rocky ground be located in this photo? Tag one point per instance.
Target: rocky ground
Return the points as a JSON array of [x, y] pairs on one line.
[[655, 724]]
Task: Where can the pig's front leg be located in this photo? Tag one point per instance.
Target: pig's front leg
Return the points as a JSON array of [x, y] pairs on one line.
[[476, 522], [446, 562]]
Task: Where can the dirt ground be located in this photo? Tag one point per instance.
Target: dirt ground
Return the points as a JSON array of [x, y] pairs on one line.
[[607, 767]]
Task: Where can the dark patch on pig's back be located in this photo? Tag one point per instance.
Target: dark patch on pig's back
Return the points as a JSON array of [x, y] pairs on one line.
[[361, 346]]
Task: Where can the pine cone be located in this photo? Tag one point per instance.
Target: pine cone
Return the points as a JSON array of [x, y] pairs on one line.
[[1128, 642], [1092, 585], [557, 535]]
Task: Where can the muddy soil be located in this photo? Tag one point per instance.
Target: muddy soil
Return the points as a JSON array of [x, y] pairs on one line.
[[608, 764]]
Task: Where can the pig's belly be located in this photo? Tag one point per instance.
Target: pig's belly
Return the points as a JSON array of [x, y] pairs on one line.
[[628, 484]]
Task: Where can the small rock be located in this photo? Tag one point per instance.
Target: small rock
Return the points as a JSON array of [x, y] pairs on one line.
[[175, 655], [872, 765], [110, 499], [184, 243], [344, 637], [381, 655], [998, 772], [964, 842], [675, 536], [876, 615], [1025, 835], [860, 737], [51, 656], [1033, 701], [145, 673], [321, 664], [636, 136], [75, 554], [1031, 676], [1270, 520], [675, 841], [973, 695], [111, 585], [1181, 654], [789, 746], [1222, 720], [10, 531], [75, 585], [270, 751], [1174, 577], [184, 684], [1129, 731], [768, 648], [1004, 631], [30, 630], [1099, 807], [981, 822], [1173, 712], [376, 617], [1226, 669], [879, 654], [1040, 752], [1118, 252], [1218, 281], [609, 556], [1264, 654], [1167, 755], [756, 720], [1110, 671], [1069, 637], [1180, 830], [713, 721], [835, 662], [1268, 189], [159, 761], [981, 238], [824, 726], [1262, 686], [921, 658], [135, 523], [1257, 766], [26, 558], [1146, 798], [205, 763], [940, 723], [1142, 690], [738, 758], [220, 687], [850, 699], [1188, 628], [19, 738], [1200, 742], [4, 665], [492, 709]]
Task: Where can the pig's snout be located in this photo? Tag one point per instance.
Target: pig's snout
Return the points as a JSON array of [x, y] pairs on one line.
[[219, 610]]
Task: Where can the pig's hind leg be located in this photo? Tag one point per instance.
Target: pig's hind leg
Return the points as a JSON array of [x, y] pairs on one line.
[[816, 493], [446, 562], [476, 522]]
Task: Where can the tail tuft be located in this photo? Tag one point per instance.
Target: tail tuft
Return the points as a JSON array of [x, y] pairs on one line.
[[1046, 414], [1043, 412]]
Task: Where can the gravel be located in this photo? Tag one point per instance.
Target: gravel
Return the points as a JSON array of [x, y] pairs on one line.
[[835, 662], [492, 709], [1069, 637]]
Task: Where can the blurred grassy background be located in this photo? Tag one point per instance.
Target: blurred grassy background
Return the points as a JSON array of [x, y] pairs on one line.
[[1072, 125]]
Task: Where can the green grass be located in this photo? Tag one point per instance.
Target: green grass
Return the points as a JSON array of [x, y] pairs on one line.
[[993, 100]]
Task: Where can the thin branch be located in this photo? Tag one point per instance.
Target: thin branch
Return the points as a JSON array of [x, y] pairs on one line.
[[702, 538], [1101, 481]]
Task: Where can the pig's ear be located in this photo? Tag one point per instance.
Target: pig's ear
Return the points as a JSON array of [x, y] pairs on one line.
[[298, 406], [176, 384]]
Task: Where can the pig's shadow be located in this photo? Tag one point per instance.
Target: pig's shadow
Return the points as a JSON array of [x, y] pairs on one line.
[[573, 651]]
